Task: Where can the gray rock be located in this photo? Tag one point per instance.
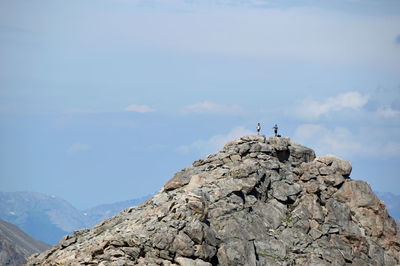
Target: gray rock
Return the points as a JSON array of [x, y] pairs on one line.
[[189, 262], [273, 212], [183, 245], [300, 153], [257, 138], [179, 180], [279, 144], [309, 208], [195, 231], [340, 166], [237, 253], [270, 248], [255, 148], [340, 214], [265, 148], [357, 194], [243, 149], [282, 190], [333, 180], [205, 252], [257, 202]]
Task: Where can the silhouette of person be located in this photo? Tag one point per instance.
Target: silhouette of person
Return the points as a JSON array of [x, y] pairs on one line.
[[276, 130], [258, 128]]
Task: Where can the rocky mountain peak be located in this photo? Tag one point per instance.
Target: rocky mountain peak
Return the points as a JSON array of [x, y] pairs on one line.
[[258, 201]]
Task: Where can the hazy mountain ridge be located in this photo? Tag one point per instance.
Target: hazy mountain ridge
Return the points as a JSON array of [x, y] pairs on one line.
[[16, 246], [99, 213], [44, 217], [256, 202], [49, 218]]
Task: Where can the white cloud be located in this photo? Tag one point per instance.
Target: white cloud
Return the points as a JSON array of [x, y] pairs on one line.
[[215, 143], [211, 107], [365, 142], [77, 147], [388, 112], [338, 140], [349, 100], [139, 108]]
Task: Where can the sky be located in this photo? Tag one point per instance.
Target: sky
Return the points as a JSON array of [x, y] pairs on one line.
[[103, 101]]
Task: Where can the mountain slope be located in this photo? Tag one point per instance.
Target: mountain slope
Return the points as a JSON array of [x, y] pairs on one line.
[[16, 246], [47, 218], [99, 213], [257, 202]]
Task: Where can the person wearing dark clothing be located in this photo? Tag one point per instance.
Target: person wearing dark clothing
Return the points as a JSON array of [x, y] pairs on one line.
[[276, 130]]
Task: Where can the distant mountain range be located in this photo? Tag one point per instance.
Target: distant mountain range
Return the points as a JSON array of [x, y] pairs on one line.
[[16, 246], [98, 213], [49, 218]]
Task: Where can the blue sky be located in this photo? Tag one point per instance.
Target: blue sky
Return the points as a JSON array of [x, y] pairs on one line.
[[104, 100]]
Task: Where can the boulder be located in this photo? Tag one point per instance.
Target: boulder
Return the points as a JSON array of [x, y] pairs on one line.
[[338, 165], [357, 193]]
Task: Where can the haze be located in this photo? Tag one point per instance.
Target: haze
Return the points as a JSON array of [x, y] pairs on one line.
[[104, 100]]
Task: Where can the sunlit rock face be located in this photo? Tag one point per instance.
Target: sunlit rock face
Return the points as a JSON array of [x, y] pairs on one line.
[[256, 202]]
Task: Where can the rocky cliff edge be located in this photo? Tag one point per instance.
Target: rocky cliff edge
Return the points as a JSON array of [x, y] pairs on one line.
[[257, 202]]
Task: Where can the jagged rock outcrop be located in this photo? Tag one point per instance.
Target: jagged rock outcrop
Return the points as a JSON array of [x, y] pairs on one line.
[[257, 202]]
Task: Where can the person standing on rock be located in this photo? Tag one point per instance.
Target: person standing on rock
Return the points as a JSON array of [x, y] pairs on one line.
[[276, 130], [258, 128]]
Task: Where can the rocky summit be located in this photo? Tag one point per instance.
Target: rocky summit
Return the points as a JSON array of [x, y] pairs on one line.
[[257, 202]]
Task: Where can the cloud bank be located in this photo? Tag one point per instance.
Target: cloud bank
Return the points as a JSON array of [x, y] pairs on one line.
[[388, 112], [363, 142], [139, 108], [316, 108]]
